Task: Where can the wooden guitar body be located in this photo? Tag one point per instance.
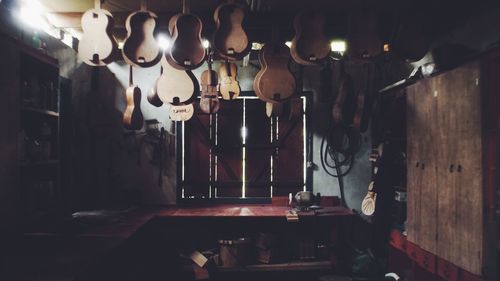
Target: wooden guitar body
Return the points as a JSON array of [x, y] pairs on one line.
[[153, 97], [187, 49], [182, 112], [229, 87], [97, 46], [310, 46], [132, 117], [140, 47], [274, 82], [363, 38], [230, 38], [176, 86]]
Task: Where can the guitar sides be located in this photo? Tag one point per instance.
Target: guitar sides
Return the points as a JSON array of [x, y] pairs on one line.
[[310, 46], [230, 39], [187, 49], [140, 47]]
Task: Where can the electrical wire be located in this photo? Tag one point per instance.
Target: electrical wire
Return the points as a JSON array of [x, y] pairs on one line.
[[338, 148]]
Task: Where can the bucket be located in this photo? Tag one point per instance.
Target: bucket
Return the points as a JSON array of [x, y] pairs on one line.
[[235, 252]]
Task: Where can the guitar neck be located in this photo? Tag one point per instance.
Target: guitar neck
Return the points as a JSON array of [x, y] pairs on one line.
[[185, 7], [97, 4], [130, 78], [228, 68], [143, 5]]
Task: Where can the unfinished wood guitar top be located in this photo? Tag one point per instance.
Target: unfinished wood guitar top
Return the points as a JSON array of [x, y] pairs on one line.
[[274, 82], [176, 86], [97, 46]]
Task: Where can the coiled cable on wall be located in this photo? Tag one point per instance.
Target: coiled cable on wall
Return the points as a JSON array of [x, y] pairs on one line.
[[338, 148]]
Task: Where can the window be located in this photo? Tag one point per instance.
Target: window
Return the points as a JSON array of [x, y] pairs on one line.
[[241, 153]]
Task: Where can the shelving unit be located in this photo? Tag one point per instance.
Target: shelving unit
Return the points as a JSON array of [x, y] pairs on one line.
[[38, 136]]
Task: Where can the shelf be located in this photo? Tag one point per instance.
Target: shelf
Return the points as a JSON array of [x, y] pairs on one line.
[[41, 111], [280, 267], [39, 163]]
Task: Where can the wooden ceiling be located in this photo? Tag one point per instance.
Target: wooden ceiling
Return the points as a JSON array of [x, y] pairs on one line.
[[438, 16]]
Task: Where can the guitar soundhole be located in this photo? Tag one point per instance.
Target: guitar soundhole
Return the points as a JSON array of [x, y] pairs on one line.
[[141, 60], [95, 58], [277, 97], [175, 100], [94, 15]]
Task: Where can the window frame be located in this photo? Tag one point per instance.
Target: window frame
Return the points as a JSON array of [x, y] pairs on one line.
[[179, 129]]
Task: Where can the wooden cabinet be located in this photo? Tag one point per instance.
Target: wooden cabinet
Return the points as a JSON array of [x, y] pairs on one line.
[[448, 122]]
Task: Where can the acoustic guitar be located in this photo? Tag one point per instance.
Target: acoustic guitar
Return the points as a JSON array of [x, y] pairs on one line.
[[310, 46], [153, 97], [132, 117], [209, 101], [229, 86], [274, 82], [230, 38], [186, 49], [97, 46], [363, 38], [176, 86], [140, 47], [181, 112]]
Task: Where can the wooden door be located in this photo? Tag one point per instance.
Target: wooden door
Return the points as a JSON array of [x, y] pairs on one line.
[[422, 192], [429, 154], [465, 170], [414, 160]]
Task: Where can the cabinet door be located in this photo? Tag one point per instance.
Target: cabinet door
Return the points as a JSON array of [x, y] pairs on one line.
[[428, 190], [460, 202], [414, 123], [421, 109], [447, 182]]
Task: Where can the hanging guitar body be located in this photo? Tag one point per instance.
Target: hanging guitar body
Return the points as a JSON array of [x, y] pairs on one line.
[[274, 82], [186, 49], [310, 46], [209, 101], [153, 97], [363, 39], [176, 86], [230, 38], [132, 116], [97, 46], [140, 47], [181, 112], [229, 86]]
